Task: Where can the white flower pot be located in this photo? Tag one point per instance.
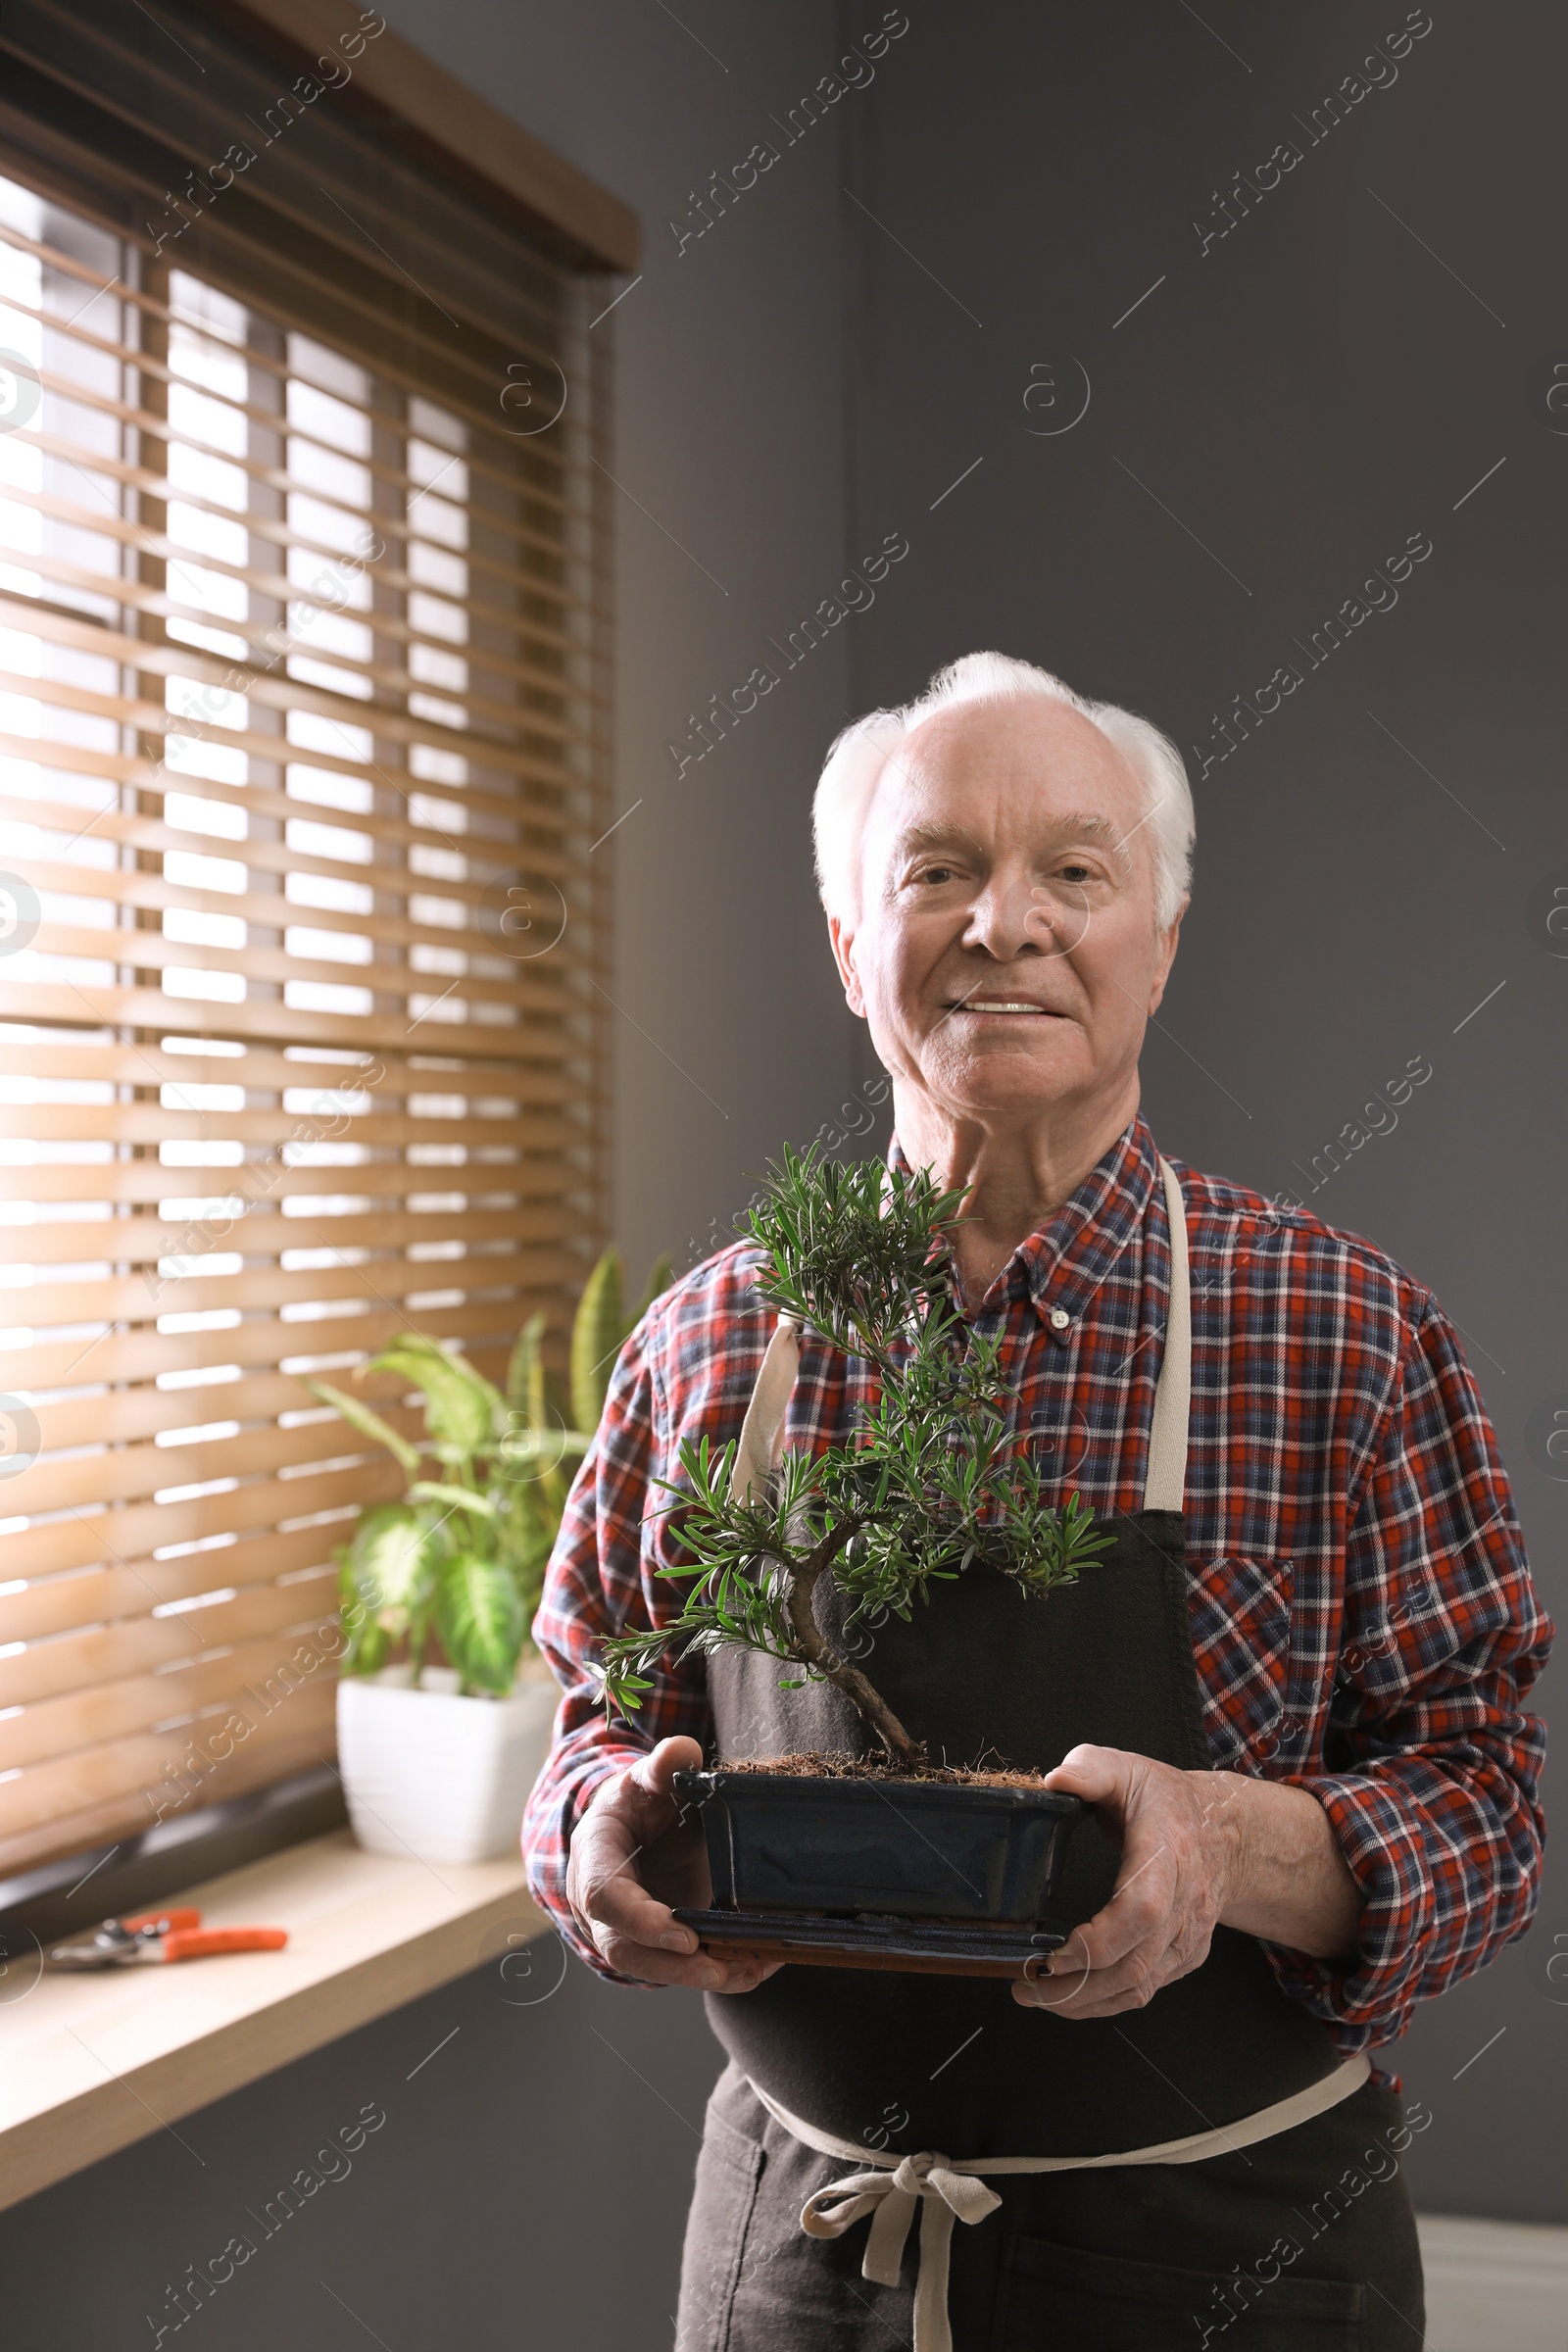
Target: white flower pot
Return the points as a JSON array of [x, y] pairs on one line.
[[442, 1776]]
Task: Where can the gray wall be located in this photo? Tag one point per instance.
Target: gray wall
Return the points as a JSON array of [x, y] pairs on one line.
[[526, 2192], [1300, 397]]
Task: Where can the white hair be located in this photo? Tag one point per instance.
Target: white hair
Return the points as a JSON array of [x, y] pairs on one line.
[[861, 752]]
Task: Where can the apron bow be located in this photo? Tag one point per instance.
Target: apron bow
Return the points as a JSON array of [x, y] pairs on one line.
[[890, 2196]]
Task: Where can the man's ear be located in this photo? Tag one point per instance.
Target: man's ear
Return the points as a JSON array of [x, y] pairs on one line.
[[843, 939], [1167, 956]]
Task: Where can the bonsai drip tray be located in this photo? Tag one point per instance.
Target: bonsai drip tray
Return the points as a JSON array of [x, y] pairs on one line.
[[947, 1947]]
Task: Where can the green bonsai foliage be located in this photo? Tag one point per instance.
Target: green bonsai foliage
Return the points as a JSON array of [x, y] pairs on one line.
[[929, 1483], [462, 1555]]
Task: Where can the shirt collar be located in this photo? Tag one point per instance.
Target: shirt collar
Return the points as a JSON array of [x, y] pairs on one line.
[[1061, 1264]]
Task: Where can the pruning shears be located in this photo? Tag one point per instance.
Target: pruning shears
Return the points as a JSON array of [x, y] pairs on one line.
[[158, 1936]]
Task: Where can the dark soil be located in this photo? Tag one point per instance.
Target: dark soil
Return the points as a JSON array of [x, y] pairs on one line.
[[877, 1768]]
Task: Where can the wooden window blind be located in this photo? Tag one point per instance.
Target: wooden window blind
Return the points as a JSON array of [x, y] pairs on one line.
[[302, 758]]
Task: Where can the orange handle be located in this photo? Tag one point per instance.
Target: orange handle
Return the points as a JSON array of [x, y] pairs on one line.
[[169, 1920], [196, 1943]]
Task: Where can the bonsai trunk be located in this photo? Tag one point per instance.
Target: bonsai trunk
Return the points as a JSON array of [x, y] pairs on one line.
[[818, 1652]]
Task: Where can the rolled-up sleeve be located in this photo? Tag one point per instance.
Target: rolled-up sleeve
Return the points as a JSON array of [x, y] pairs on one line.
[[601, 1579], [1429, 1764]]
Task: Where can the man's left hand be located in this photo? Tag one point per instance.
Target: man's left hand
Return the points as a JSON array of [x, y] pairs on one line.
[[1200, 1850]]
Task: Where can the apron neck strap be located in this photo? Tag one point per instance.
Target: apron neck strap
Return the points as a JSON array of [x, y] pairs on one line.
[[1166, 1478]]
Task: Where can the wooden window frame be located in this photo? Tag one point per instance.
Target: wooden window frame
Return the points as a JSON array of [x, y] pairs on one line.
[[467, 133]]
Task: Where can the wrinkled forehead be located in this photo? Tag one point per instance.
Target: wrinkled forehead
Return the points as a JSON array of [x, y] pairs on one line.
[[1017, 774]]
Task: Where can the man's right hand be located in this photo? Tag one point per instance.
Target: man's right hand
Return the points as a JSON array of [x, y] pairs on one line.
[[633, 1933]]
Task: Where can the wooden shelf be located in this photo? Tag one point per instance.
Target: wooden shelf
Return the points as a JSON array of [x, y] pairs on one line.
[[90, 2063]]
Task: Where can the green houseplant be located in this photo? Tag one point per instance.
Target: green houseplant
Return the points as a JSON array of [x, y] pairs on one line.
[[929, 1484], [443, 1706]]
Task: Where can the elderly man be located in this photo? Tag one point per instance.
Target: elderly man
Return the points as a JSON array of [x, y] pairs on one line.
[[1314, 1763]]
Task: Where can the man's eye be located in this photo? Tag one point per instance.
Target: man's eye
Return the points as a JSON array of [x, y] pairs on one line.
[[937, 874], [1077, 873]]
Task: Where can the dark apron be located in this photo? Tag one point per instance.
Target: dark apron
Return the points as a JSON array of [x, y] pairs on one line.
[[902, 2063], [986, 1674]]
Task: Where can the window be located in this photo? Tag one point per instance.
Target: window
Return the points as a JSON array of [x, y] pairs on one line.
[[301, 762]]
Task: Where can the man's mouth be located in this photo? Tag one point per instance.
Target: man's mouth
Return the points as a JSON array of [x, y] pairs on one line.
[[1011, 1004]]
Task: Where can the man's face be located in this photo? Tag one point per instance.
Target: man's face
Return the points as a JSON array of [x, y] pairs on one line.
[[1005, 954]]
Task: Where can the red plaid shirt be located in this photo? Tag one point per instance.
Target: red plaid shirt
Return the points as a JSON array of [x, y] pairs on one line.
[[1361, 1612]]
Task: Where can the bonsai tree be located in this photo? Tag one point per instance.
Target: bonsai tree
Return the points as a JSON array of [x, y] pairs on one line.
[[928, 1483], [462, 1555]]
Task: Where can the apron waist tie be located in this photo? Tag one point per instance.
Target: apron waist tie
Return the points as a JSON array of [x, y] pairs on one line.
[[888, 2189]]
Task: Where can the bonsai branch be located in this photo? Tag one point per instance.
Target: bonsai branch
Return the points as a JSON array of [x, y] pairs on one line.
[[813, 1648], [926, 1480]]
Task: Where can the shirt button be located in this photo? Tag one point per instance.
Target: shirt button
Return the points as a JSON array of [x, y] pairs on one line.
[[1059, 1318]]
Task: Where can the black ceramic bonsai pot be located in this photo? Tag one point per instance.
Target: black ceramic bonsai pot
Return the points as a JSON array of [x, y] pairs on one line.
[[902, 1849]]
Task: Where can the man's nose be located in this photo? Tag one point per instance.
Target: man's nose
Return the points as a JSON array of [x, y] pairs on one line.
[[1011, 918]]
